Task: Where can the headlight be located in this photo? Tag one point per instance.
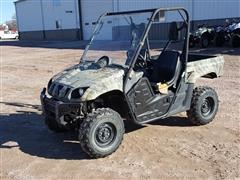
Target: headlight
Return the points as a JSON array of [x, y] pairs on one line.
[[77, 93], [81, 91]]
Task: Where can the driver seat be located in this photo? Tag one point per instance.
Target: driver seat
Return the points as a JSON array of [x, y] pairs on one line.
[[167, 68]]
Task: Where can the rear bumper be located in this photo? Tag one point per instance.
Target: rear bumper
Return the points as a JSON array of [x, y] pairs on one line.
[[57, 109]]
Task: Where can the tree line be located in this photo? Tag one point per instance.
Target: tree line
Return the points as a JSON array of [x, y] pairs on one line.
[[11, 24]]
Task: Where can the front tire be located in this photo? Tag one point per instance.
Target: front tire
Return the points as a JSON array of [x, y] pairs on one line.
[[101, 133], [204, 106]]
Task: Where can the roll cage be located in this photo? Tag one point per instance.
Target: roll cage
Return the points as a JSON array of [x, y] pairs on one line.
[[147, 29], [141, 43]]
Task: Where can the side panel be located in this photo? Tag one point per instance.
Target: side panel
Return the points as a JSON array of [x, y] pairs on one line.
[[199, 68], [182, 100], [147, 105]]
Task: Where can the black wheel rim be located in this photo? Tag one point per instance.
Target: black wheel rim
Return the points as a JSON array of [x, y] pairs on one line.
[[207, 106], [105, 134]]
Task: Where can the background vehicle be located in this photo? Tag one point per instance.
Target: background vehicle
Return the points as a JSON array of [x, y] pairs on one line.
[[95, 96], [204, 35], [8, 35], [229, 33], [220, 36], [235, 35]]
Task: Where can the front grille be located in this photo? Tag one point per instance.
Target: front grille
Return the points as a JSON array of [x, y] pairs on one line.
[[58, 90], [50, 90], [55, 108]]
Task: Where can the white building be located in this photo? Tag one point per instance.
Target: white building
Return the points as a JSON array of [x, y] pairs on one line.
[[75, 19]]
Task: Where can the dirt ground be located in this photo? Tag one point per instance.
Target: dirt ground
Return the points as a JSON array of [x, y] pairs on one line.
[[170, 148]]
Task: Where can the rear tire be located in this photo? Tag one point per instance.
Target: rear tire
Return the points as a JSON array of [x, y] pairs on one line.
[[101, 133], [204, 106], [204, 42], [53, 125], [236, 40]]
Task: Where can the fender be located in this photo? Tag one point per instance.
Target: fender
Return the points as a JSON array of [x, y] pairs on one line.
[[114, 82]]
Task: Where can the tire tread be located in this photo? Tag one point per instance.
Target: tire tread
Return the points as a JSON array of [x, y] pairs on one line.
[[85, 128], [192, 113]]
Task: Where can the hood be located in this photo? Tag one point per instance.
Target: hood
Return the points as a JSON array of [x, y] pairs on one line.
[[77, 76], [82, 76]]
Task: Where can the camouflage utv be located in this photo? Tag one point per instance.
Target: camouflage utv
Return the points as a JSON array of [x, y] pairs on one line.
[[156, 81]]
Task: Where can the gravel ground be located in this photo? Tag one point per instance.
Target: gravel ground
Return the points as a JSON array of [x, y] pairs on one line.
[[170, 148]]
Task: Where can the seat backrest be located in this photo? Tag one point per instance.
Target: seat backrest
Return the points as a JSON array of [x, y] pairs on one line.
[[166, 67]]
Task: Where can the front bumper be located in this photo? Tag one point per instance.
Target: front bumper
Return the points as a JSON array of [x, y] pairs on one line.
[[57, 109]]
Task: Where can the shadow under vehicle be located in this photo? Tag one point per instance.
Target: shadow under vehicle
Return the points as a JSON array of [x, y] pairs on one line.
[[95, 95]]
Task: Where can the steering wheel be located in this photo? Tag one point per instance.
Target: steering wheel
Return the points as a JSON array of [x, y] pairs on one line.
[[141, 59], [103, 61]]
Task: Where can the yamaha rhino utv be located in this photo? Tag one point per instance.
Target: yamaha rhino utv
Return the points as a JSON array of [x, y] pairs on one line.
[[156, 79]]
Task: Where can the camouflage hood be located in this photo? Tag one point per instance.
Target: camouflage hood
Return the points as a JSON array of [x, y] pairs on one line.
[[95, 80]]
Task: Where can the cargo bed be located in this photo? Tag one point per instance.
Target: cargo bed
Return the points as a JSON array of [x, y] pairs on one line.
[[204, 66]]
